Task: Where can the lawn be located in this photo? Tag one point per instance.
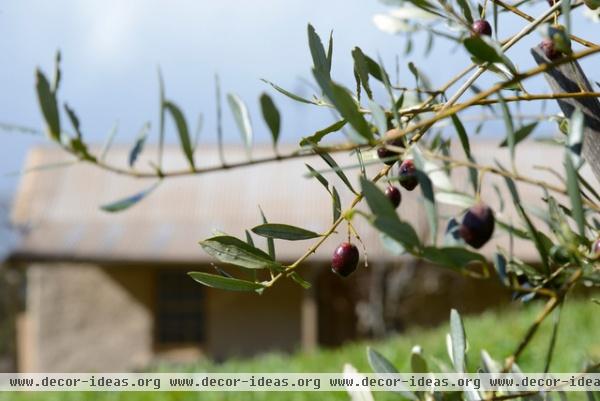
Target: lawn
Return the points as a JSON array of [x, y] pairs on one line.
[[497, 332]]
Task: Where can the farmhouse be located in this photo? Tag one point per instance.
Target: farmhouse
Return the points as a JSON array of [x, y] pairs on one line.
[[109, 292]]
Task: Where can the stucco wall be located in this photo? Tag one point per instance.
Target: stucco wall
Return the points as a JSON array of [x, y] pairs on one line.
[[85, 318], [81, 317], [243, 324]]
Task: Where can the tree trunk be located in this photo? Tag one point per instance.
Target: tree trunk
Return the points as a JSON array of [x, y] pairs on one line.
[[570, 78]]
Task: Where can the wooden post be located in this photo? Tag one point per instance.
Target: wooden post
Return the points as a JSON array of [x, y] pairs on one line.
[[570, 78]]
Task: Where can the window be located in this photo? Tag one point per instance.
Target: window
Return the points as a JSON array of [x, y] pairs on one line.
[[179, 309]]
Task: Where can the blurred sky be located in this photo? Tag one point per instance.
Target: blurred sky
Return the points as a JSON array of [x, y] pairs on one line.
[[111, 50]]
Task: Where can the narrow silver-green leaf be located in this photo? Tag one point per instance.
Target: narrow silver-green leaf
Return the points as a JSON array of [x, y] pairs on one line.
[[330, 51], [386, 220], [466, 10], [345, 105], [74, 120], [109, 140], [417, 362], [271, 116], [299, 280], [489, 364], [520, 134], [388, 87], [317, 136], [462, 134], [289, 94], [231, 250], [361, 70], [575, 139], [428, 193], [284, 231], [249, 239], [452, 256], [533, 233], [337, 204], [318, 176], [483, 50], [225, 283], [380, 364], [48, 105], [332, 163], [574, 195], [270, 240], [182, 130], [128, 202], [459, 342], [57, 72], [317, 51], [242, 119], [138, 146]]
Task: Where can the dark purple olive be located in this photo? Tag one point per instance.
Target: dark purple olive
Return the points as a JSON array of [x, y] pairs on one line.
[[389, 156], [408, 175], [478, 225], [549, 49], [345, 259], [482, 27], [394, 195]]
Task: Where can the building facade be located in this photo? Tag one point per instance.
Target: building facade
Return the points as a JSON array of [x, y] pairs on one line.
[[109, 292]]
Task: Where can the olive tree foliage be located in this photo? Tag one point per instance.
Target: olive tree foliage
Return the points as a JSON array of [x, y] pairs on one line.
[[403, 127]]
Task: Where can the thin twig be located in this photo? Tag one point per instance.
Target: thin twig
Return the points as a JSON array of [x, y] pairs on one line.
[[548, 308], [528, 17], [289, 269]]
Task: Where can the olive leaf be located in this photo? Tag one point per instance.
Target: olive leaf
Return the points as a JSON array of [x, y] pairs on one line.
[[321, 61], [452, 257], [483, 49], [238, 253], [362, 70], [385, 218], [333, 164], [225, 283], [344, 104], [380, 364], [48, 104], [289, 94], [575, 138], [139, 144], [574, 194], [128, 202], [242, 120], [520, 134], [284, 231], [427, 191], [270, 240], [317, 136], [182, 130], [271, 116], [458, 341]]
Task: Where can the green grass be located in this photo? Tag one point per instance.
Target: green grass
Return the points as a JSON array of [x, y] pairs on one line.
[[497, 332]]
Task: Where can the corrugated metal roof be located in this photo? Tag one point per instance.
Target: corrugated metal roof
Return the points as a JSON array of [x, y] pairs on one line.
[[60, 207]]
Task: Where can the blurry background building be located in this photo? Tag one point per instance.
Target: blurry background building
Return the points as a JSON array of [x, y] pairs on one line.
[[109, 292]]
